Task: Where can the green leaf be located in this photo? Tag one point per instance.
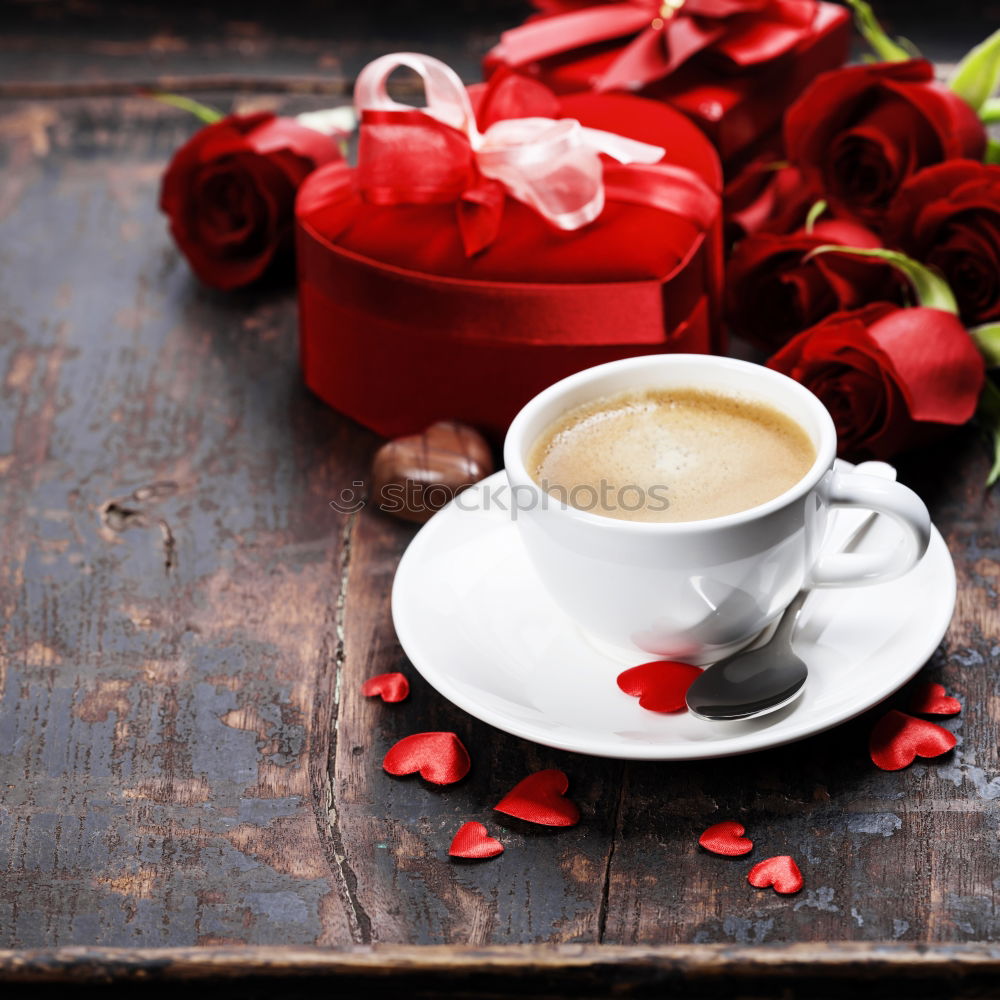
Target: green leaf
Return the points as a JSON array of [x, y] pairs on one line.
[[989, 112], [886, 48], [977, 75], [992, 152], [988, 415], [815, 214], [987, 339], [931, 288], [201, 111]]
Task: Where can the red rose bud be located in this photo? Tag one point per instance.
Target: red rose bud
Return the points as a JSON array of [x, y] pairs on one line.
[[858, 133], [763, 198], [774, 292], [890, 377], [229, 193], [948, 216]]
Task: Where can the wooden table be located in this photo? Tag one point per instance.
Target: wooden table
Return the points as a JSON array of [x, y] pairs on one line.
[[186, 761]]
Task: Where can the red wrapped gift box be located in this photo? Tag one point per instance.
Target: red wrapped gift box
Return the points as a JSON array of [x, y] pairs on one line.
[[732, 66], [407, 319]]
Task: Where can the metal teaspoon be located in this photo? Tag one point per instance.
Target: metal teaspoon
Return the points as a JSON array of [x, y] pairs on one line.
[[758, 681]]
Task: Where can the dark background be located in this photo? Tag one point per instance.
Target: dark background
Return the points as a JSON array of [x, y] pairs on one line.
[[77, 42]]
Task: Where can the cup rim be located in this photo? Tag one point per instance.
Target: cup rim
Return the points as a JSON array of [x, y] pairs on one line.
[[518, 475]]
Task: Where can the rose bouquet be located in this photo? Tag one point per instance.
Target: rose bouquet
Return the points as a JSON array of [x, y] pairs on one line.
[[874, 279]]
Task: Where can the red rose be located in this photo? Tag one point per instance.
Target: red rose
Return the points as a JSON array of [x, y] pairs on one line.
[[858, 133], [229, 193], [889, 376], [772, 292], [949, 216]]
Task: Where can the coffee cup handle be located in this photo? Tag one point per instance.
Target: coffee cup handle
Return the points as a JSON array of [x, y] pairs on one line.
[[847, 488]]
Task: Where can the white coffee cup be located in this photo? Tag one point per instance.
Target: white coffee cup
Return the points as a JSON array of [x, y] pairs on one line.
[[698, 590]]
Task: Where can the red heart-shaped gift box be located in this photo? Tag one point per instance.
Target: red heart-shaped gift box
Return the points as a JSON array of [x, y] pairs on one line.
[[401, 326]]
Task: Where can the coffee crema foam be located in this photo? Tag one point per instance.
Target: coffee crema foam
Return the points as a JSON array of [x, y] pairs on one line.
[[670, 455]]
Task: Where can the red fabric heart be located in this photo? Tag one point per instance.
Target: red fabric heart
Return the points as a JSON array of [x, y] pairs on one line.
[[726, 838], [930, 699], [539, 799], [660, 685], [392, 687], [441, 758], [472, 841], [781, 872], [898, 738]]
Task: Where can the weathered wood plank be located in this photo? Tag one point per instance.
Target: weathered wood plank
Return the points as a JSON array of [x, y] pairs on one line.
[[547, 886], [806, 971], [64, 41], [164, 721]]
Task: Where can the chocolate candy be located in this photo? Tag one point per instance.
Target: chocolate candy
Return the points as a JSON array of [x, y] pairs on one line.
[[414, 476]]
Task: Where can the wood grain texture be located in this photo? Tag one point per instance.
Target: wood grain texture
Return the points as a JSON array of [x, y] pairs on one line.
[[547, 886], [185, 756], [536, 971], [169, 567], [308, 43]]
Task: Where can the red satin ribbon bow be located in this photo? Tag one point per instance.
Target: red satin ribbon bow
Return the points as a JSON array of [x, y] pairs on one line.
[[438, 155], [665, 34]]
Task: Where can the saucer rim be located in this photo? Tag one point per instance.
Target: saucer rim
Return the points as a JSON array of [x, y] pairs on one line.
[[704, 750]]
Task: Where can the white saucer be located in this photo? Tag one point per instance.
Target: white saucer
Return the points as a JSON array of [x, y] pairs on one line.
[[477, 623]]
